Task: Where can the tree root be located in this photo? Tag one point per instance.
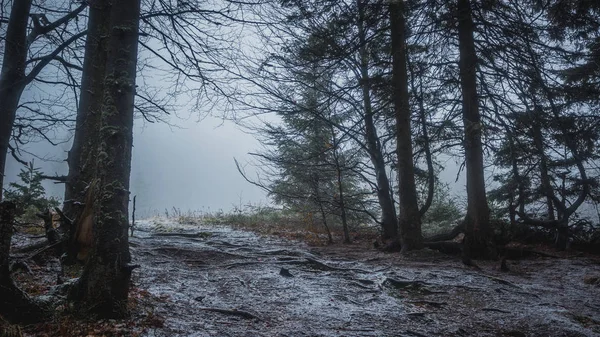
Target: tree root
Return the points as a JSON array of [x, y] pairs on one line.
[[501, 281], [233, 312], [446, 247], [496, 310], [430, 303], [15, 305], [32, 247], [307, 261], [406, 285], [447, 236], [326, 267], [199, 235]]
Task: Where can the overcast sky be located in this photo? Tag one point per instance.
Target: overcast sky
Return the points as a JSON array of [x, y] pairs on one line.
[[190, 167]]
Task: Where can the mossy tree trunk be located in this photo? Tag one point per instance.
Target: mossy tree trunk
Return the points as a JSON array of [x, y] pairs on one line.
[[409, 218], [104, 285], [83, 154], [478, 241]]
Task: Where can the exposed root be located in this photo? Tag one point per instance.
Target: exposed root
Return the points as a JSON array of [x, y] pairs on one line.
[[430, 303], [405, 285], [200, 235], [233, 312], [496, 310], [501, 281], [326, 267], [447, 236]]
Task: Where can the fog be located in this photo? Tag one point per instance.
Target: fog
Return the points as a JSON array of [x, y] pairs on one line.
[[189, 166]]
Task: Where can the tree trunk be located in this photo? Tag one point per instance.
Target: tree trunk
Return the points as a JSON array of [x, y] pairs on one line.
[[342, 204], [389, 220], [84, 151], [12, 77], [544, 176], [409, 219], [478, 235], [324, 219], [104, 285], [426, 142], [15, 305]]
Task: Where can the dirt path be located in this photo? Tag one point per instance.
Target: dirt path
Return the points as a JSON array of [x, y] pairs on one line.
[[216, 281]]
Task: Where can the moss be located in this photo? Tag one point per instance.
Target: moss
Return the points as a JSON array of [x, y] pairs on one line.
[[102, 155], [110, 130], [124, 28], [115, 185]]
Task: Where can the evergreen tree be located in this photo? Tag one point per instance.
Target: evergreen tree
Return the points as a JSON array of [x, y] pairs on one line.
[[310, 162], [29, 192]]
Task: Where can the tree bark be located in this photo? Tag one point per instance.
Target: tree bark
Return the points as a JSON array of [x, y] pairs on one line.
[[104, 285], [324, 219], [15, 305], [409, 219], [426, 146], [478, 234], [544, 176], [12, 77], [389, 220], [341, 195], [83, 154]]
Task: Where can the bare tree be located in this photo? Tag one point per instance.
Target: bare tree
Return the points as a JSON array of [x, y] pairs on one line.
[[14, 77]]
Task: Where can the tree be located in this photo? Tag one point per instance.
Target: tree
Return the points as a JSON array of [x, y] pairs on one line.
[[409, 218], [478, 237], [12, 75], [104, 285], [549, 130], [308, 164], [13, 78], [350, 40], [29, 193], [15, 305], [82, 158], [389, 219]]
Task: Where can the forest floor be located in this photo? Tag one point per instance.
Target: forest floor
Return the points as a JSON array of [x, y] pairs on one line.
[[207, 280]]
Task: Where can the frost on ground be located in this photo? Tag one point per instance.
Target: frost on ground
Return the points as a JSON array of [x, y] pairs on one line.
[[206, 280]]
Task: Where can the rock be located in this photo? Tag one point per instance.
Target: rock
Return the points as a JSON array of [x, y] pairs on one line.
[[285, 273], [593, 280]]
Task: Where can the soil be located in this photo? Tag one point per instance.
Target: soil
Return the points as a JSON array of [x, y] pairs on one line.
[[198, 280]]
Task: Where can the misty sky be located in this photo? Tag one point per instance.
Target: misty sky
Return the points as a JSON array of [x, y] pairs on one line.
[[190, 167]]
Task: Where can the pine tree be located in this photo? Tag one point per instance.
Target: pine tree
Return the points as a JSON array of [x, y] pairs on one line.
[[29, 193]]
